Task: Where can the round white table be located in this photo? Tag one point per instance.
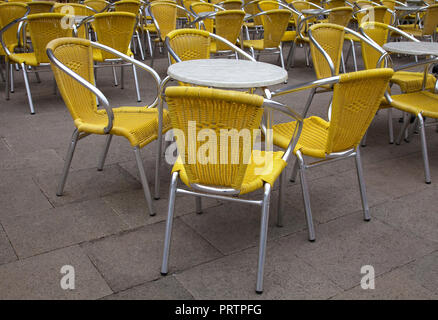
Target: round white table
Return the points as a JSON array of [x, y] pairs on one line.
[[227, 73], [412, 48]]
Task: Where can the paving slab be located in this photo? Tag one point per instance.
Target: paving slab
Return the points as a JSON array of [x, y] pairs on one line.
[[40, 277], [167, 288], [135, 257], [55, 228]]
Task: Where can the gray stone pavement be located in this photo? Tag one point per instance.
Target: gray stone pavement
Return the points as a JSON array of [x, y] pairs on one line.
[[101, 225]]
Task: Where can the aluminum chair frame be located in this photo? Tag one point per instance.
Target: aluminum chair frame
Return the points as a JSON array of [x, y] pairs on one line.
[[76, 136], [230, 194]]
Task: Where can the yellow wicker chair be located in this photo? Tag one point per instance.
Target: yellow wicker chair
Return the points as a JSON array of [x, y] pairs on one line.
[[368, 13], [406, 80], [8, 13], [419, 104], [429, 25], [340, 15], [115, 29], [40, 6], [43, 28], [98, 5], [164, 15], [75, 9], [223, 174], [72, 63], [231, 4], [332, 4], [207, 22], [228, 26], [356, 98], [274, 23], [301, 26]]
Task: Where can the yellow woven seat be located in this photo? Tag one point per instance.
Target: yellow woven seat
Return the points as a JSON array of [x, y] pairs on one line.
[[98, 55], [256, 44], [138, 124], [412, 29], [28, 58], [423, 102], [412, 81], [251, 180], [289, 36], [313, 138]]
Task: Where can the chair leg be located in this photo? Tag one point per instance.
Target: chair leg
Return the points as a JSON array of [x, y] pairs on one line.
[[11, 79], [390, 126], [144, 181], [198, 203], [169, 222], [291, 56], [104, 153], [26, 83], [424, 148], [150, 44], [307, 53], [70, 152], [363, 194], [343, 63], [353, 51], [309, 101], [134, 70], [280, 49], [293, 176], [122, 77], [158, 158], [116, 83], [363, 142], [306, 197], [263, 237], [140, 47], [281, 199], [403, 130], [153, 54], [8, 80], [2, 75]]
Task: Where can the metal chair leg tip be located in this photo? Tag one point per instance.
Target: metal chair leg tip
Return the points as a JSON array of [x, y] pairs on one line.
[[59, 194], [138, 100], [152, 214], [391, 142], [32, 113], [163, 273], [156, 198], [428, 182], [259, 292], [99, 169], [292, 180], [367, 219], [312, 240]]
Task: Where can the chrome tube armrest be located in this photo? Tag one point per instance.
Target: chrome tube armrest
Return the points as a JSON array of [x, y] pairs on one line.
[[280, 107], [305, 86], [87, 85], [170, 50]]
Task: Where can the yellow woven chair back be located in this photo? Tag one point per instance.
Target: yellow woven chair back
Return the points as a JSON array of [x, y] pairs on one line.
[[430, 20], [190, 44], [390, 4], [193, 109], [252, 9], [198, 7], [334, 4], [215, 1], [43, 28], [40, 6], [275, 23], [364, 4], [228, 26], [97, 5], [340, 16], [8, 13], [115, 30], [165, 16], [377, 14], [269, 5], [77, 55], [300, 6], [19, 1], [130, 6], [232, 5], [331, 38], [356, 99], [78, 9], [379, 33], [317, 2]]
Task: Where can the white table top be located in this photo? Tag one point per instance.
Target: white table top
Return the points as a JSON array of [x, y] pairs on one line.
[[227, 73], [311, 11], [412, 48]]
